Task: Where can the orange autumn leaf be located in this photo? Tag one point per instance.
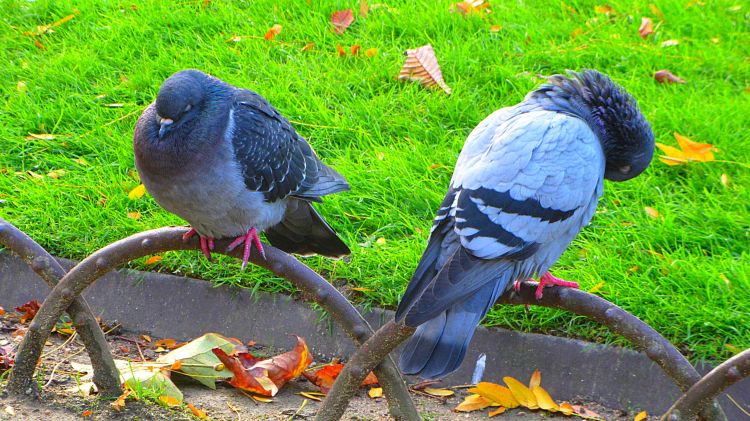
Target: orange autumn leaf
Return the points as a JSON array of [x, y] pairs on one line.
[[544, 400], [665, 76], [566, 408], [134, 215], [201, 414], [498, 411], [653, 213], [86, 413], [473, 403], [28, 310], [421, 65], [169, 400], [340, 50], [275, 30], [326, 376], [153, 260], [646, 27], [307, 47], [496, 28], [690, 151], [39, 45], [265, 377], [536, 379], [371, 52], [2, 311], [355, 49], [167, 343], [341, 19], [497, 395], [523, 394]]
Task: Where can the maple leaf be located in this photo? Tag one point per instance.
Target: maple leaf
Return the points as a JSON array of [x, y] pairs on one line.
[[265, 377], [28, 310], [690, 151], [646, 27], [341, 19], [326, 376], [271, 34], [665, 76], [421, 65]]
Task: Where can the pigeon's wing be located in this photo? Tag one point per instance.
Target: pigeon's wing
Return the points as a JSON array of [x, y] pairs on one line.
[[273, 158], [518, 201]]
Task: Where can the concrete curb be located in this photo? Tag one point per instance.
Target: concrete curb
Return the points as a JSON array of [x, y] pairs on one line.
[[184, 308]]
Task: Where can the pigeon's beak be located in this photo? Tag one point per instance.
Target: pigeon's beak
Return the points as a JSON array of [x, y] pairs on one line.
[[164, 125]]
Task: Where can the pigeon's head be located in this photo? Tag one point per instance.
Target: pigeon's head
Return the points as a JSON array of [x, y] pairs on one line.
[[180, 99], [612, 113]]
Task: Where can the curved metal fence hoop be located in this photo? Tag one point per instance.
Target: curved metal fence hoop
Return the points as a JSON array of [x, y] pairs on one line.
[[160, 240]]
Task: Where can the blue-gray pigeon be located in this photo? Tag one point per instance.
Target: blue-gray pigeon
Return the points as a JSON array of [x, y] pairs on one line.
[[230, 164], [526, 182]]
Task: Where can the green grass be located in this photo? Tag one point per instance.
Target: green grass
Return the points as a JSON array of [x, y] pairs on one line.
[[692, 276]]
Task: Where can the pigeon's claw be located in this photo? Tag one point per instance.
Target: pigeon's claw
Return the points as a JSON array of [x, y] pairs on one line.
[[548, 280], [516, 285], [207, 243], [188, 235], [249, 239]]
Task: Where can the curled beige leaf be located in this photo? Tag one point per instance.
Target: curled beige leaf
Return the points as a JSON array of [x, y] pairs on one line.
[[422, 66]]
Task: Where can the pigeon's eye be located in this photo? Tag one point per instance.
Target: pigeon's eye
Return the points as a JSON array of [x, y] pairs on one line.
[[188, 108], [625, 169]]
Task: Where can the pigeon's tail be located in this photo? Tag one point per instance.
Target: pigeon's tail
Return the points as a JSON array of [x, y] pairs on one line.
[[303, 231], [439, 345]]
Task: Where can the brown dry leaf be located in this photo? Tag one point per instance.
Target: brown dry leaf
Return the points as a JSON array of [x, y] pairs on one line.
[[641, 416], [341, 19], [153, 260], [201, 414], [309, 46], [134, 215], [28, 310], [606, 9], [375, 392], [665, 76], [119, 403], [421, 65], [363, 9], [271, 34], [471, 7], [137, 192], [473, 403], [653, 213], [340, 50], [544, 400], [355, 49], [585, 412], [576, 32], [441, 393], [523, 394], [536, 379], [497, 395], [646, 28], [498, 411]]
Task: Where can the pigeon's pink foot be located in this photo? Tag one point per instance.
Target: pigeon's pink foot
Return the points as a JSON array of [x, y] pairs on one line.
[[548, 280], [250, 239], [207, 243], [516, 285]]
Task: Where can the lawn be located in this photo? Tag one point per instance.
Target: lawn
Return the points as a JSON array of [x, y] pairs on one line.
[[686, 272]]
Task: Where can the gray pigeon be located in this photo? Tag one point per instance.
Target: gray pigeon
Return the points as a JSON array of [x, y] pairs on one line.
[[226, 161], [526, 182]]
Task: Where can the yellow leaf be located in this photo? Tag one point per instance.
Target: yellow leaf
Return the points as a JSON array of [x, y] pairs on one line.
[[81, 161], [606, 9], [260, 398], [41, 136], [496, 394], [498, 411], [134, 215], [566, 408], [361, 289], [380, 241], [371, 52], [438, 392], [137, 192], [536, 379], [576, 32], [201, 414], [169, 400], [421, 65], [651, 212], [597, 287], [473, 403], [56, 173], [523, 395], [544, 399], [641, 416], [146, 338], [375, 392], [312, 395], [21, 86], [153, 259], [275, 30], [694, 151], [496, 28]]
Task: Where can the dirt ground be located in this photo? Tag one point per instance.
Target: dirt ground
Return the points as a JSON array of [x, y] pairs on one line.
[[57, 402]]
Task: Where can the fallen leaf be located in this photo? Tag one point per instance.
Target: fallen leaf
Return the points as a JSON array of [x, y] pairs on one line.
[[371, 52], [498, 411], [641, 416], [355, 49], [2, 311], [86, 413], [153, 260], [690, 151], [9, 410], [669, 43], [497, 395], [655, 10], [596, 287], [6, 358], [470, 7], [199, 361], [665, 76], [375, 392], [166, 343], [326, 376], [536, 379], [39, 45], [28, 310], [583, 411], [421, 65], [442, 393], [56, 173], [362, 289], [566, 408], [134, 215], [341, 19], [724, 182], [201, 414], [81, 161], [309, 46], [271, 34], [576, 32], [316, 396], [146, 338], [544, 400], [137, 192], [646, 27], [340, 50], [169, 400], [267, 376], [119, 403], [380, 241], [473, 403], [21, 86], [653, 213], [261, 398], [41, 136], [606, 9], [523, 394], [363, 9], [496, 28]]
